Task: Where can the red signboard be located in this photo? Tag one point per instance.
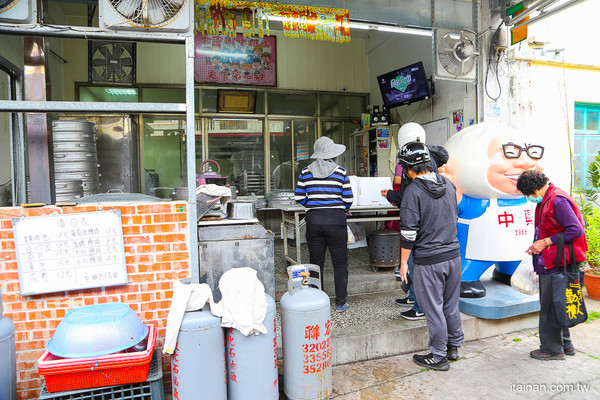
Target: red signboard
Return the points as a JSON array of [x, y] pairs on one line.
[[236, 61]]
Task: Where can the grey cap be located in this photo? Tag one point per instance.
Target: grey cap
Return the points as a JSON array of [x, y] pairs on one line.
[[325, 148]]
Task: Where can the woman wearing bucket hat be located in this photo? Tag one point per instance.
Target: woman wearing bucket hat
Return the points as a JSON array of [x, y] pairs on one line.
[[323, 188]]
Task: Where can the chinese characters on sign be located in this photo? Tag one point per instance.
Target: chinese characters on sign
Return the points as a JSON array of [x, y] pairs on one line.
[[316, 352], [72, 251], [239, 60]]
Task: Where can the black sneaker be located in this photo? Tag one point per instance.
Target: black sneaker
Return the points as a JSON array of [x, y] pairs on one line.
[[452, 353], [540, 355], [569, 351], [412, 315], [427, 361], [405, 302]]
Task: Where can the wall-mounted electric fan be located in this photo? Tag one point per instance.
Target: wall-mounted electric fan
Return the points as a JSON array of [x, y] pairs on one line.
[[158, 15], [456, 55], [18, 11], [111, 62]]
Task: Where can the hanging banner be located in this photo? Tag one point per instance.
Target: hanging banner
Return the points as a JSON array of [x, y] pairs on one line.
[[218, 17], [240, 60]]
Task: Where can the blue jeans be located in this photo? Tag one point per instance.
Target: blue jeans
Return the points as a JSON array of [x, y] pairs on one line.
[[411, 291]]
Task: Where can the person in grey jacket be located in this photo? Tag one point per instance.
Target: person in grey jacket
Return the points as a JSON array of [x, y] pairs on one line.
[[428, 215]]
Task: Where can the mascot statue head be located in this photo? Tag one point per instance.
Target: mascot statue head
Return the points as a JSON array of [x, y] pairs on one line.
[[487, 159]]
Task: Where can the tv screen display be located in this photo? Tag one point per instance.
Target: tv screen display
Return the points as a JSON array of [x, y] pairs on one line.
[[404, 85]]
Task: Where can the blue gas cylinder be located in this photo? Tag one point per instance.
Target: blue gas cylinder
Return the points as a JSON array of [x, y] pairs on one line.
[[306, 336], [8, 363], [252, 361], [198, 362]]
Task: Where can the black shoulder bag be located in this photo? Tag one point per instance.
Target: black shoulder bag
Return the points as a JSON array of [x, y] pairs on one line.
[[567, 299]]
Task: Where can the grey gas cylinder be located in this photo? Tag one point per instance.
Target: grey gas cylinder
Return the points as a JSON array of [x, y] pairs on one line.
[[8, 363], [305, 335], [252, 361], [198, 363]]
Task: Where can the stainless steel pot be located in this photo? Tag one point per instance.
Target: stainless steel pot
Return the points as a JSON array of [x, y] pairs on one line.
[[241, 210]]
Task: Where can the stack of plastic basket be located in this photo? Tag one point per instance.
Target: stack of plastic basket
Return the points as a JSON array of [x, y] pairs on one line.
[[98, 346]]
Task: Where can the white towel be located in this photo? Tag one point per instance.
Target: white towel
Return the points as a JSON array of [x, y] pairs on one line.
[[186, 297], [392, 158], [215, 191], [244, 304]]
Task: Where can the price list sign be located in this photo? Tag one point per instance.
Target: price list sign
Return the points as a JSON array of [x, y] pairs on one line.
[[68, 252]]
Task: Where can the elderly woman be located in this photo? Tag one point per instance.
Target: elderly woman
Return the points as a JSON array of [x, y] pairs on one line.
[[556, 213], [323, 188]]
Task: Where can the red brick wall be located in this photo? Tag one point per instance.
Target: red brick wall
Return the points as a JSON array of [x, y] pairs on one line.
[[156, 238]]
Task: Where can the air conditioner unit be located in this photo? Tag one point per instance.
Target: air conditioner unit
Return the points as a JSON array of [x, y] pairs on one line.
[[18, 11], [154, 15], [455, 55]]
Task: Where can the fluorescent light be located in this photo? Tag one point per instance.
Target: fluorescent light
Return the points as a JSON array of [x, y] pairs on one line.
[[391, 28], [378, 27], [121, 92]]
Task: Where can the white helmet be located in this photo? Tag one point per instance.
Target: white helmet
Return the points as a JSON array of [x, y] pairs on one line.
[[410, 132]]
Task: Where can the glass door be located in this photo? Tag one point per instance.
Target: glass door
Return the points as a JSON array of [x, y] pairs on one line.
[[340, 133], [237, 146], [290, 146], [164, 153]]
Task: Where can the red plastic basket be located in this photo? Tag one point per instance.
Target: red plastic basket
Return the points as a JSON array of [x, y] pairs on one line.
[[62, 374]]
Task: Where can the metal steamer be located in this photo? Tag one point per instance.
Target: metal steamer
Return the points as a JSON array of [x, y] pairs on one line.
[[75, 159], [8, 364], [252, 361], [198, 363], [306, 335]]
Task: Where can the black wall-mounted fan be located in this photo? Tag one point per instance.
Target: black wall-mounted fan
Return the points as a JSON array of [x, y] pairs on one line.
[[111, 62]]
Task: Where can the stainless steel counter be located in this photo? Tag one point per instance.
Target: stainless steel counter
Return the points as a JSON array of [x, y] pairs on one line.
[[291, 218], [235, 243]]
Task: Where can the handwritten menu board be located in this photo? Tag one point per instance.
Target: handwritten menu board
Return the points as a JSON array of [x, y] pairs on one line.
[[71, 251]]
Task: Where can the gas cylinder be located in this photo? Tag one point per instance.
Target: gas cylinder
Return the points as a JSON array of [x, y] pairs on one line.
[[305, 335], [8, 363], [198, 362], [252, 361]]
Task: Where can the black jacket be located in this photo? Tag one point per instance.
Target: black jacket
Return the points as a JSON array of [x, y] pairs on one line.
[[439, 157]]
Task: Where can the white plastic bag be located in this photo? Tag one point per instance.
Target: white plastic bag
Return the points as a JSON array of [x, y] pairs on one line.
[[351, 238], [524, 279], [359, 233]]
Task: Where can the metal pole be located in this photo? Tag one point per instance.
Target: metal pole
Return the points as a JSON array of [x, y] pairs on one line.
[[39, 132], [91, 107], [191, 158], [90, 33]]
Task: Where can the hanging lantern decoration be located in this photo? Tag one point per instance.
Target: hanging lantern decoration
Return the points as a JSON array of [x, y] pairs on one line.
[[215, 17]]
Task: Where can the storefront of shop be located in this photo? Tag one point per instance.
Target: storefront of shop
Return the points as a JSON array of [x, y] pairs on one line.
[[243, 103]]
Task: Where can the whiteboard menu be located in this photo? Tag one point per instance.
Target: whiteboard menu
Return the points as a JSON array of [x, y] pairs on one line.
[[436, 132], [70, 251]]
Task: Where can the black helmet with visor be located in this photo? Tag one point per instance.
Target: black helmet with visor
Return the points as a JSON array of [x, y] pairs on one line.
[[413, 153]]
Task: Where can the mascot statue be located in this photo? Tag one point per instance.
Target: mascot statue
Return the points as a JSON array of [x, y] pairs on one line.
[[495, 222]]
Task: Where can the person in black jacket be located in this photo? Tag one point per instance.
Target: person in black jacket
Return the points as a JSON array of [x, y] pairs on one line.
[[428, 215], [438, 157]]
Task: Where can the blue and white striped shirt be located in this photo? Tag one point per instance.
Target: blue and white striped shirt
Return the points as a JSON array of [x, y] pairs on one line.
[[333, 192]]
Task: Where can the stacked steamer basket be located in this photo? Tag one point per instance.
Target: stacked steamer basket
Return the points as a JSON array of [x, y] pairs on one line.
[[75, 159]]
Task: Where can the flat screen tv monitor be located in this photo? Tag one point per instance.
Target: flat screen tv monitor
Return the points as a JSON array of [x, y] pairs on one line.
[[404, 85]]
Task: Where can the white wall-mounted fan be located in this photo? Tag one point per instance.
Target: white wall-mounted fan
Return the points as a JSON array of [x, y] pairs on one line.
[[456, 55], [18, 11], [156, 15]]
